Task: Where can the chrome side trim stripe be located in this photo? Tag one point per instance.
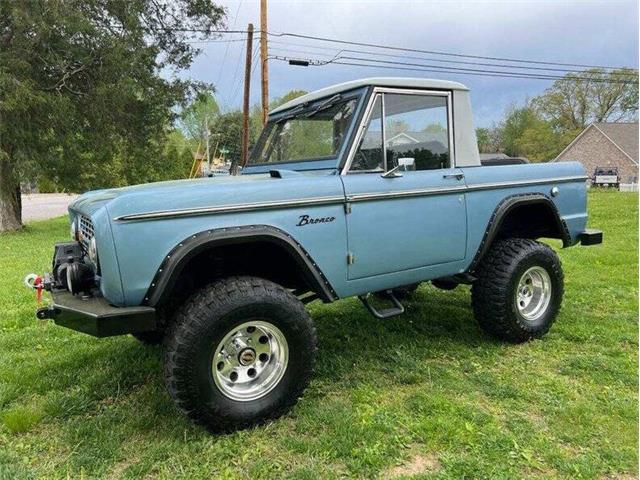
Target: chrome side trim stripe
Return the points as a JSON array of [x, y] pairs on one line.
[[525, 183], [240, 207], [333, 200], [422, 192]]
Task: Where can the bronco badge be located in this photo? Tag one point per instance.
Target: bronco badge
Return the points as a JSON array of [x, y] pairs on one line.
[[307, 220]]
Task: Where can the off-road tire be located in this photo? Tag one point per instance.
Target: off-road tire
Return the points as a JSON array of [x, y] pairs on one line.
[[494, 292], [154, 337], [200, 326]]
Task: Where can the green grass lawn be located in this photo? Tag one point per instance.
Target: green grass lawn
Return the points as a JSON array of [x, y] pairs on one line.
[[426, 393]]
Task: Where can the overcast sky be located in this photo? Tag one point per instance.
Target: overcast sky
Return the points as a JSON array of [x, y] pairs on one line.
[[580, 31]]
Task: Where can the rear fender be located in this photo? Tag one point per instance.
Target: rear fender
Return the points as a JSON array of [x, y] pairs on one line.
[[507, 206]]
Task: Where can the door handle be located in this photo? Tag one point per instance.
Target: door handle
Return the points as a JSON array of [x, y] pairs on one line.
[[457, 176]]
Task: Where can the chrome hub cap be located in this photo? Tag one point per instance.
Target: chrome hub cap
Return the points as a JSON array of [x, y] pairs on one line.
[[250, 361], [533, 294], [247, 356]]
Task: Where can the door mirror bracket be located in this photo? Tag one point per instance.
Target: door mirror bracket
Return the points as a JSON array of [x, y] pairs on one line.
[[393, 173]]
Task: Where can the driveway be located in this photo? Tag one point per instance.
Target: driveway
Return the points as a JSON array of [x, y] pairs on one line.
[[40, 206]]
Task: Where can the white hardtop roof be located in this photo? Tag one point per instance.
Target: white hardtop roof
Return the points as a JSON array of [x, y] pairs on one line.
[[397, 82]]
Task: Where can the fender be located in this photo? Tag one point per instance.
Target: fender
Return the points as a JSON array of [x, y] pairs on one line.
[[501, 212], [175, 261]]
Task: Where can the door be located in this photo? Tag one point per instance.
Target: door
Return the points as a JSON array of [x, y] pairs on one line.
[[413, 216]]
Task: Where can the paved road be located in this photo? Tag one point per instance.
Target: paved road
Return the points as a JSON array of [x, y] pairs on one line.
[[40, 206]]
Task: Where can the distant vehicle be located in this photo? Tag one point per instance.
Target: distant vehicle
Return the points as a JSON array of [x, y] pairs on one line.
[[363, 189], [606, 177]]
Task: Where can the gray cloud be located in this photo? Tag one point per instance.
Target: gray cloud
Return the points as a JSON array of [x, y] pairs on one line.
[[590, 32]]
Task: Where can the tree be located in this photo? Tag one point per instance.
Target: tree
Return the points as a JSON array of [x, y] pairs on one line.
[[199, 116], [489, 139], [82, 90], [598, 96], [540, 142], [516, 122], [228, 133]]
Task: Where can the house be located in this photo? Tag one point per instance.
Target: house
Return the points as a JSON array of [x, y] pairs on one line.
[[608, 145], [435, 141]]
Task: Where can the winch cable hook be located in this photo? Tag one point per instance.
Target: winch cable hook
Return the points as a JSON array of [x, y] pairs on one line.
[[35, 281]]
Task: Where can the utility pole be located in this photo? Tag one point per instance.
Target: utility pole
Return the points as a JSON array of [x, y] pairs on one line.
[[263, 60], [245, 105], [206, 136]]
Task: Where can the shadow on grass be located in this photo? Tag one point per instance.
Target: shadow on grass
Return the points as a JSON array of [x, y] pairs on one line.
[[114, 377]]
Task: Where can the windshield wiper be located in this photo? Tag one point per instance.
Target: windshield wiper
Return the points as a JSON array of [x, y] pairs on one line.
[[292, 113], [324, 105]]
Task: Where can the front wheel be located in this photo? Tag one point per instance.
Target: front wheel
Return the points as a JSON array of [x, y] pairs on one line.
[[518, 291], [240, 352]]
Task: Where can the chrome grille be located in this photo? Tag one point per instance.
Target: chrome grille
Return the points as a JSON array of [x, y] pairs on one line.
[[86, 231]]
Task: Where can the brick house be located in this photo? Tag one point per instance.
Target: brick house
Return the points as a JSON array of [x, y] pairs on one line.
[[606, 145]]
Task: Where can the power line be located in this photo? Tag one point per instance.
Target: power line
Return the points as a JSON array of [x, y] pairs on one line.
[[435, 52], [236, 89], [439, 60], [395, 48], [234, 40], [444, 69], [226, 49], [569, 76]]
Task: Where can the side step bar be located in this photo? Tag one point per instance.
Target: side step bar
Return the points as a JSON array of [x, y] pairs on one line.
[[397, 309]]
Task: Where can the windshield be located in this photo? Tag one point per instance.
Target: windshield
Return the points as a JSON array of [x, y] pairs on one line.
[[308, 132]]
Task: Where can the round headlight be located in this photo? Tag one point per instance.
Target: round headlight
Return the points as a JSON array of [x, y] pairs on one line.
[[93, 251], [74, 229]]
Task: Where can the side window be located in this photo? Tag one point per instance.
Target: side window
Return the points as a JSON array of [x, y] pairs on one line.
[[369, 154], [416, 131]]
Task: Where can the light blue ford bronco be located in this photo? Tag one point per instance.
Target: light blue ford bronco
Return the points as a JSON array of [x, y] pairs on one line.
[[362, 189]]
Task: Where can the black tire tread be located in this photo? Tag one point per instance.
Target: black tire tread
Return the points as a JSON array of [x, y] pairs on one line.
[[196, 313], [490, 292]]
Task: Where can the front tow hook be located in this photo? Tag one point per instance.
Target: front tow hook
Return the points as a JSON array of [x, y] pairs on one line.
[[46, 313]]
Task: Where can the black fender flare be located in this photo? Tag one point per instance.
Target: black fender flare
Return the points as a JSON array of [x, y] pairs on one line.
[[502, 210], [175, 261]]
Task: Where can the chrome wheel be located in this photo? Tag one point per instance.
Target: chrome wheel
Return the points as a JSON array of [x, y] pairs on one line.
[[250, 360], [533, 294]]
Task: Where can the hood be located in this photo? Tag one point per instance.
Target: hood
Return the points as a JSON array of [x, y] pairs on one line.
[[90, 201], [201, 192]]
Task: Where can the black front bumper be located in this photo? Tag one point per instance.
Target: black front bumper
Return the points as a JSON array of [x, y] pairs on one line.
[[94, 315], [591, 237]]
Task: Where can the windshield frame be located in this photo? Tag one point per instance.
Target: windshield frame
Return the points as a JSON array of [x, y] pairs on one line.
[[331, 162]]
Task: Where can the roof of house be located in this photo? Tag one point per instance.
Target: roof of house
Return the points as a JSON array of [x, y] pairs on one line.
[[624, 135], [372, 138], [374, 81]]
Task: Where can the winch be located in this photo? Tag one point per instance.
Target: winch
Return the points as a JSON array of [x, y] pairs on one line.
[[69, 272]]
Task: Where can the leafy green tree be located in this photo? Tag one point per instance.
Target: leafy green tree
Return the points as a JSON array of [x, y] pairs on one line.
[[540, 142], [228, 133], [197, 119], [82, 90], [517, 120], [483, 137], [572, 104]]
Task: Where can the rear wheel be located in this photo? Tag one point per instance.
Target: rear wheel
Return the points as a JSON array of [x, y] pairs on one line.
[[240, 352], [518, 291]]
